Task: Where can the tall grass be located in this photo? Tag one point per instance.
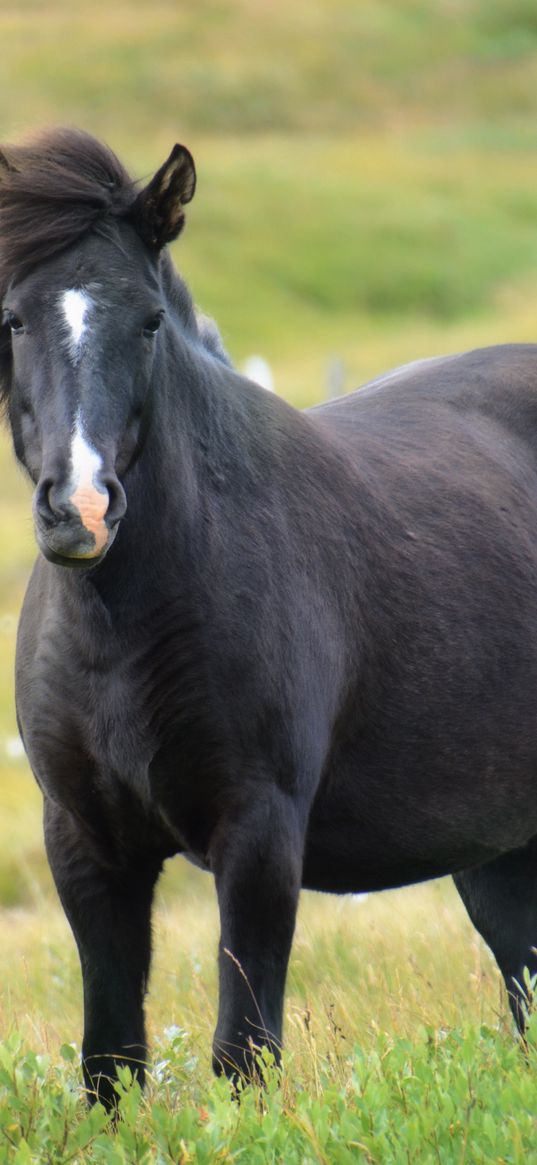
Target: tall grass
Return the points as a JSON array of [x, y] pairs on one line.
[[398, 1047]]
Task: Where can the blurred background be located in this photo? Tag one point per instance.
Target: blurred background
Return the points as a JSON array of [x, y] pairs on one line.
[[367, 195]]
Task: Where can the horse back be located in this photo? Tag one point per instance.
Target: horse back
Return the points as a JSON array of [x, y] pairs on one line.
[[428, 397]]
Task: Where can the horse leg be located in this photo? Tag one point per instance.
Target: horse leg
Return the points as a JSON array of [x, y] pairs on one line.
[[257, 860], [109, 913], [501, 900]]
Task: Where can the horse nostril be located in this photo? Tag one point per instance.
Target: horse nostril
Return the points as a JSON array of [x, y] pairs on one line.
[[117, 504], [42, 502]]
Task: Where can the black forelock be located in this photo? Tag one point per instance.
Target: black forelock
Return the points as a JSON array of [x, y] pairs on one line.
[[52, 191]]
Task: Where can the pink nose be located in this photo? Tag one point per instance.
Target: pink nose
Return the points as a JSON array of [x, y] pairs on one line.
[[91, 505], [78, 523]]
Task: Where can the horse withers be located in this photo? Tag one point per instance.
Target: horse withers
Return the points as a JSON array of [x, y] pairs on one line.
[[300, 648]]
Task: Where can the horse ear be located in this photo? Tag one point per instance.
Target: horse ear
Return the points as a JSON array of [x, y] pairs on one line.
[[5, 165], [157, 213]]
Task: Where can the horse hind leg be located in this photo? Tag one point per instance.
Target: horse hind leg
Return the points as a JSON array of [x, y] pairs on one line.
[[501, 900]]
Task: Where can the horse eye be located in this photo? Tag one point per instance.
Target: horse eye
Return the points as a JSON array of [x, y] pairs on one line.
[[13, 322], [152, 326]]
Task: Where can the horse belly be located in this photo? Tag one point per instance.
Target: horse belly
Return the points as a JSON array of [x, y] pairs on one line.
[[372, 829], [347, 857]]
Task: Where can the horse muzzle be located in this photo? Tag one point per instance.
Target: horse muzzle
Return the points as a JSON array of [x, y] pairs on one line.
[[76, 527]]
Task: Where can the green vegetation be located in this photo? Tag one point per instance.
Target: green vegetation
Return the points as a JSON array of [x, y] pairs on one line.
[[447, 1097], [367, 188], [398, 1043], [251, 67]]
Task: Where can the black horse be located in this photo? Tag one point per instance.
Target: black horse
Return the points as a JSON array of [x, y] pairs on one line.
[[299, 648]]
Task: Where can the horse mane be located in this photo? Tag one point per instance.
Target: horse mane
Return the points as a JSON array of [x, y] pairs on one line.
[[53, 189]]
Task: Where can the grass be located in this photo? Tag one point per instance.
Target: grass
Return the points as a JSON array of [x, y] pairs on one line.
[[471, 1114], [354, 245], [451, 1098], [393, 948], [398, 1045], [249, 66]]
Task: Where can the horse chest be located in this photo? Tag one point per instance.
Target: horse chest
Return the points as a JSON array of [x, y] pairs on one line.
[[100, 721], [116, 730], [152, 726]]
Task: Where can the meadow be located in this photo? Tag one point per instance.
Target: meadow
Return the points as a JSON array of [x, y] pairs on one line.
[[367, 191]]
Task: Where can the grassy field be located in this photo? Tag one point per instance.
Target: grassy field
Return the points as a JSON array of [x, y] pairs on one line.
[[367, 191]]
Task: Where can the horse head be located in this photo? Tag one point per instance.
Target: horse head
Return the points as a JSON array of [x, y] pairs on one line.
[[82, 303]]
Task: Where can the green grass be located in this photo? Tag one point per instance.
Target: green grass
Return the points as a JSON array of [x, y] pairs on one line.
[[398, 1045], [342, 238], [227, 66], [446, 1097]]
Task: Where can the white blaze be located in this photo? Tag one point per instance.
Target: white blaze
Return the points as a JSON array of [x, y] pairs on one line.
[[85, 461], [86, 496], [75, 306]]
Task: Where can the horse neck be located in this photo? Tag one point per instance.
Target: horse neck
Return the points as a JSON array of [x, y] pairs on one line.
[[202, 442]]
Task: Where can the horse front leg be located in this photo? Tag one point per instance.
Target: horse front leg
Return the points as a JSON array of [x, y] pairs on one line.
[[256, 857], [109, 910]]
